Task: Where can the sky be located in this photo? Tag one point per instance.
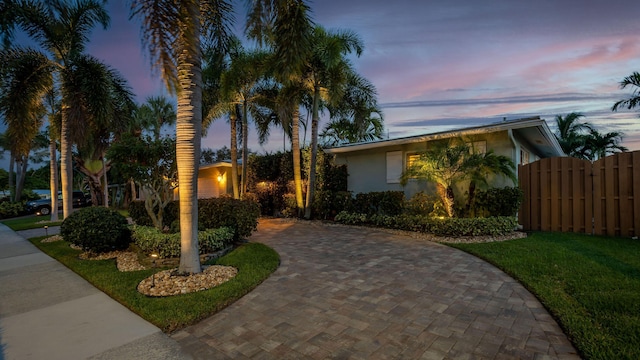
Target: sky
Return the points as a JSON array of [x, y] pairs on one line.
[[440, 65]]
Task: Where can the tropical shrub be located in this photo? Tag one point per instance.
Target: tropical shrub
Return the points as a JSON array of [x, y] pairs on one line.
[[327, 204], [9, 209], [96, 229], [379, 202], [240, 215], [499, 201], [213, 213], [151, 240]]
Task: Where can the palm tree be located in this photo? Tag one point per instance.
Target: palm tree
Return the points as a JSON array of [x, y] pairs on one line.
[[481, 165], [444, 164], [245, 83], [25, 78], [54, 116], [172, 31], [285, 25], [600, 145], [572, 134], [109, 106], [62, 29], [326, 72], [634, 100], [356, 117], [155, 113]]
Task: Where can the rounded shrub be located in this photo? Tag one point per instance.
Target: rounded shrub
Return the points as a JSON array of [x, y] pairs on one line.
[[96, 229]]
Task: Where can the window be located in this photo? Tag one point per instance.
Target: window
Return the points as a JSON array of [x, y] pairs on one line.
[[394, 167], [524, 157], [411, 159]]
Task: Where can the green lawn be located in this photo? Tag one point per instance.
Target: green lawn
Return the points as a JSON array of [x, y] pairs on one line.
[[31, 222], [590, 284], [254, 261]]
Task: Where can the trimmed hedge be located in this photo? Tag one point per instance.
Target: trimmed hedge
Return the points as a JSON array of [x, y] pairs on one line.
[[379, 203], [149, 239], [499, 201], [240, 215], [493, 226], [96, 229]]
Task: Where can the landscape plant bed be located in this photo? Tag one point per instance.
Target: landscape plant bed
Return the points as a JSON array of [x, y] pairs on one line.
[[254, 262], [590, 284]]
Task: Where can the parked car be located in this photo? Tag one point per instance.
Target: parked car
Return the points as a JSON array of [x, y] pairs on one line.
[[43, 206]]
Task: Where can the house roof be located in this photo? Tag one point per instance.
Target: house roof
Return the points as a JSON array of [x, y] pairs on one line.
[[223, 163], [534, 131]]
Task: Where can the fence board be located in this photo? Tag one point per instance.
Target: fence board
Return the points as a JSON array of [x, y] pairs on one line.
[[567, 194]]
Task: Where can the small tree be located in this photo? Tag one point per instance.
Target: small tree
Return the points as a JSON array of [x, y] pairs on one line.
[[444, 164], [152, 165]]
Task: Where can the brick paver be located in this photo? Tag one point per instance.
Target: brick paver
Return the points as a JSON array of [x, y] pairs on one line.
[[360, 293]]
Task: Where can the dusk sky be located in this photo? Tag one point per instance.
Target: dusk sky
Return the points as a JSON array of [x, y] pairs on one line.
[[441, 65]]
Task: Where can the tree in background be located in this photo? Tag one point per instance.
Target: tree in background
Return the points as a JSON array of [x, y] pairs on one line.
[[599, 145], [583, 141], [155, 113], [152, 164], [25, 78], [286, 27], [61, 28], [572, 134], [356, 117], [632, 102], [106, 108]]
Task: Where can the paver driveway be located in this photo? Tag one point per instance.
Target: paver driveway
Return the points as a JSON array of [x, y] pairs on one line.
[[350, 292]]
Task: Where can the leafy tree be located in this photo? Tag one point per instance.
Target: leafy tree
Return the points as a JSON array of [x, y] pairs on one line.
[[62, 29], [447, 163], [107, 103], [156, 112], [356, 117], [152, 165], [326, 71], [173, 32], [572, 134], [481, 165], [444, 164], [600, 145], [286, 27], [634, 101], [25, 78], [210, 156]]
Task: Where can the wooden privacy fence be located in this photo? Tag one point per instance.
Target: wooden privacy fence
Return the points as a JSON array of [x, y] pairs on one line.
[[572, 195]]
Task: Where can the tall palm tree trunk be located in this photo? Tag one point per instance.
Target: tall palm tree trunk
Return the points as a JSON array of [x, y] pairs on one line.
[[234, 154], [295, 150], [245, 149], [12, 184], [21, 171], [446, 195], [66, 168], [188, 138], [53, 182], [311, 185]]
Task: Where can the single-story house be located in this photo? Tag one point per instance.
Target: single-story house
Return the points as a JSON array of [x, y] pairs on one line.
[[378, 165], [214, 180]]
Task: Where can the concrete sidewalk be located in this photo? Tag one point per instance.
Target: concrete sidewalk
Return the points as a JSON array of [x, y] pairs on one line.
[[49, 312]]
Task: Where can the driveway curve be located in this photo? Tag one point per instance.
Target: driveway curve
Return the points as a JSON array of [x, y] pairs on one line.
[[362, 293]]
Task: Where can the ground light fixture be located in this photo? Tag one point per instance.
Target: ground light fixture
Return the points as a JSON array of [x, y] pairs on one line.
[[46, 230], [153, 276]]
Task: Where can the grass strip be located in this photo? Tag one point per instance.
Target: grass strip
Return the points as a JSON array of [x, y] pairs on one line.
[[27, 223], [590, 284], [254, 261]]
